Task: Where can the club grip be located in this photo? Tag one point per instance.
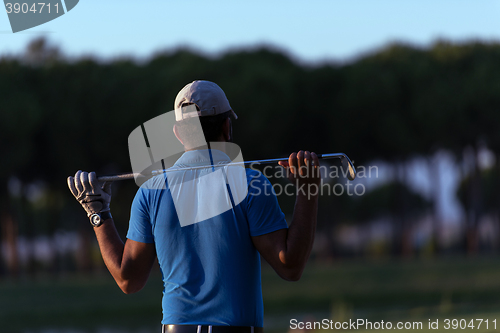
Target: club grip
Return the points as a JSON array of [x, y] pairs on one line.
[[114, 178]]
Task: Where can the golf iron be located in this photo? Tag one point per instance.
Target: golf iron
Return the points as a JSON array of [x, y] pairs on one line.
[[346, 165]]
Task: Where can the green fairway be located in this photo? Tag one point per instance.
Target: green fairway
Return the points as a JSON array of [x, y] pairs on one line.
[[389, 290], [85, 304]]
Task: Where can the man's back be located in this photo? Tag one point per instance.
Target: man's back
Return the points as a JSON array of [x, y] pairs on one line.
[[211, 269]]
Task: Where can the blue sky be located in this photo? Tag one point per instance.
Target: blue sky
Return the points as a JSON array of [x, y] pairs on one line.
[[311, 30]]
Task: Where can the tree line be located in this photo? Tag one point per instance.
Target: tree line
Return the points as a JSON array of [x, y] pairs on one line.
[[59, 115]]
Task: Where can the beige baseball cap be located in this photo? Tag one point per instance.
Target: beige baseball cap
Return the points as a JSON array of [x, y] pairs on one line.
[[207, 96]]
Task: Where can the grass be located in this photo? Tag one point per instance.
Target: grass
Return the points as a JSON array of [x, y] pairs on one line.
[[85, 303], [384, 290], [390, 290]]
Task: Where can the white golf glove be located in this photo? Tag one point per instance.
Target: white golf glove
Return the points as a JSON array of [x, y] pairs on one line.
[[90, 194]]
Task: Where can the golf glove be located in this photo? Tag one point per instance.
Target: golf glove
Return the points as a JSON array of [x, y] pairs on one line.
[[90, 194]]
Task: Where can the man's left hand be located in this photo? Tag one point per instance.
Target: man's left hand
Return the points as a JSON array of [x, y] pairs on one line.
[[93, 196]]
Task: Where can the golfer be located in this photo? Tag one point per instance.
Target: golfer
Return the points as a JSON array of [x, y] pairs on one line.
[[210, 266]]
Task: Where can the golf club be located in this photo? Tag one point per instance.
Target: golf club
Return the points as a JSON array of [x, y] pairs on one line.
[[346, 165]]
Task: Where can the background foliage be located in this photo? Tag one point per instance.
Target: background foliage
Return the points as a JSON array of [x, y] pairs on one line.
[[59, 115]]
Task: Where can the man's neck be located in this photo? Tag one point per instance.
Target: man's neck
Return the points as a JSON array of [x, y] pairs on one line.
[[198, 148], [207, 146]]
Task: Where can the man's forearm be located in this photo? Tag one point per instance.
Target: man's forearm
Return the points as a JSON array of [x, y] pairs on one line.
[[129, 263], [287, 250], [300, 236], [111, 246]]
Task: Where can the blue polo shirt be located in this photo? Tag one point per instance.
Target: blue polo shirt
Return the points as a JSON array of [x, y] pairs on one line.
[[211, 270]]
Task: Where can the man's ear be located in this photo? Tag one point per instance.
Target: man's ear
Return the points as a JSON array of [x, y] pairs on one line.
[[176, 132], [227, 130]]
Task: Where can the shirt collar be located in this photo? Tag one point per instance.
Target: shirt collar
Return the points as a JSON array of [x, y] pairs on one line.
[[202, 157]]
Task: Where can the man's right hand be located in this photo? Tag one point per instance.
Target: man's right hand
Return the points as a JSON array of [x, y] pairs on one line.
[[302, 168], [94, 197]]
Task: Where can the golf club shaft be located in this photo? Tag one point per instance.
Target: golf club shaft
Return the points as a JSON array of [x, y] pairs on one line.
[[126, 176]]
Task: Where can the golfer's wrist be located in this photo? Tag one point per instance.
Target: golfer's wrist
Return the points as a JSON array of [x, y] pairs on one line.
[[97, 219], [307, 192], [106, 215]]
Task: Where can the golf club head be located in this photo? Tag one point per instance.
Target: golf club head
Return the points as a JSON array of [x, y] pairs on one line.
[[347, 165]]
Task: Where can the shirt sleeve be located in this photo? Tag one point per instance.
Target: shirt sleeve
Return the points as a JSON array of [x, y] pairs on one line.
[[263, 211], [140, 228]]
